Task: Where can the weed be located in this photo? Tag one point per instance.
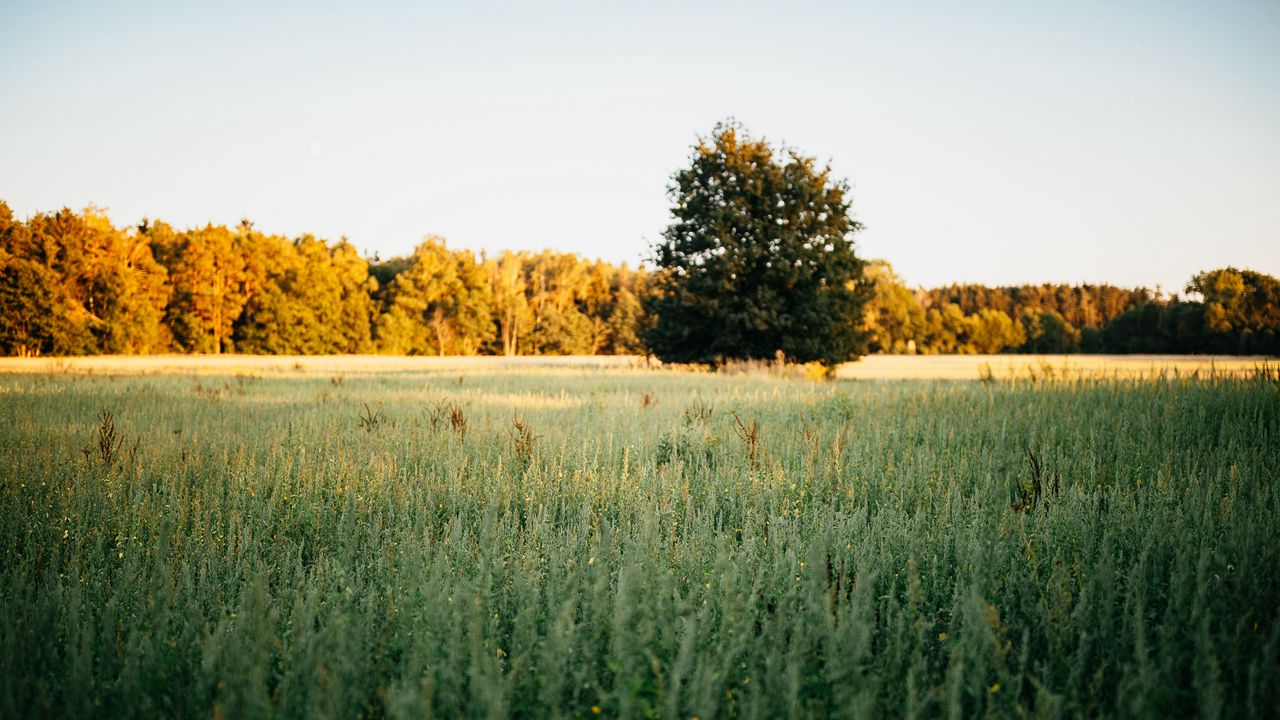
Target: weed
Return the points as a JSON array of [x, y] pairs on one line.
[[750, 436], [522, 438], [212, 392], [699, 412], [1028, 498], [458, 421], [438, 413], [109, 443], [985, 374], [370, 419]]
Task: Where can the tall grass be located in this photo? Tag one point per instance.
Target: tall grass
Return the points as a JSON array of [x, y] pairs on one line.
[[547, 543]]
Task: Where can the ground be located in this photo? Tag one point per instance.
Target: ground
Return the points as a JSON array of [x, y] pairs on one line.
[[871, 367], [258, 537]]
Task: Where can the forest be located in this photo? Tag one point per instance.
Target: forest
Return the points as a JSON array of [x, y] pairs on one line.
[[1238, 313], [76, 284]]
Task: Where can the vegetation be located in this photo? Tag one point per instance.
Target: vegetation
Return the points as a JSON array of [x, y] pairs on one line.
[[73, 284], [578, 542], [759, 259], [1238, 313]]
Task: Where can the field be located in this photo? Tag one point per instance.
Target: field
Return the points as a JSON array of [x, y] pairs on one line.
[[873, 367], [261, 538]]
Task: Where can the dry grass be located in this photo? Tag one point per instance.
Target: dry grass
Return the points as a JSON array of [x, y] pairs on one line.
[[1002, 367], [874, 367]]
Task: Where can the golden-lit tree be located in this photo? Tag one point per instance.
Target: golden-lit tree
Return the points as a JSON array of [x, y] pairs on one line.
[[303, 297], [439, 304], [73, 283], [104, 284], [208, 276], [508, 289]]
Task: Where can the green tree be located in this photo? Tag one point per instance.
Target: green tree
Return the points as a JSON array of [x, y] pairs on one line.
[[438, 304], [559, 286], [1047, 331], [34, 317], [511, 312], [303, 297], [759, 259], [207, 274], [992, 331], [37, 315], [893, 318], [624, 317], [946, 330], [1241, 309], [106, 281]]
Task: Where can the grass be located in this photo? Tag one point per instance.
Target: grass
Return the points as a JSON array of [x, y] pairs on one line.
[[574, 541], [871, 367]]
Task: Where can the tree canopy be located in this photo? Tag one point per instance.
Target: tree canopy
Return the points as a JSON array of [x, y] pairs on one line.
[[72, 283], [1239, 313], [759, 259], [745, 272]]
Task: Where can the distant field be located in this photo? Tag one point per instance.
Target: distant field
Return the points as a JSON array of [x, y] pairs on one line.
[[386, 537], [971, 367], [873, 367]]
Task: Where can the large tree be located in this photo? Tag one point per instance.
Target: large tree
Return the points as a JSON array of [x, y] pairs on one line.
[[759, 259], [207, 274], [304, 297], [438, 304], [99, 289]]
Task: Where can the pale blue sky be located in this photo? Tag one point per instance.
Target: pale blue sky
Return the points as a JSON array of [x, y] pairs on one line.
[[1132, 143]]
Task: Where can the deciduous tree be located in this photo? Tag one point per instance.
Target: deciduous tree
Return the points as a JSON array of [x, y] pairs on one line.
[[759, 259]]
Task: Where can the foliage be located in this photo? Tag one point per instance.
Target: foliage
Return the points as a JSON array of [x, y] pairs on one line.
[[306, 298], [35, 315], [893, 318], [1239, 314], [551, 303], [759, 258], [1079, 305], [1241, 308], [1046, 331], [439, 304], [104, 288], [207, 273], [74, 284]]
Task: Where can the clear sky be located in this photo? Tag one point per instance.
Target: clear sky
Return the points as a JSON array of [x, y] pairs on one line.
[[1124, 142]]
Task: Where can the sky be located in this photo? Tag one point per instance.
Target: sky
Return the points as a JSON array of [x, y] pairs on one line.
[[1133, 143]]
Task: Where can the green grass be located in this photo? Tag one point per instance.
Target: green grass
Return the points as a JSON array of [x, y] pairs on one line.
[[273, 547]]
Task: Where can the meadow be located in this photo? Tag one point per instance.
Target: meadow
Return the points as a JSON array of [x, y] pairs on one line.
[[498, 540]]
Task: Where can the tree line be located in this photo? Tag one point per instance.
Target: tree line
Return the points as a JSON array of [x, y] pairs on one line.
[[74, 283], [1238, 313]]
